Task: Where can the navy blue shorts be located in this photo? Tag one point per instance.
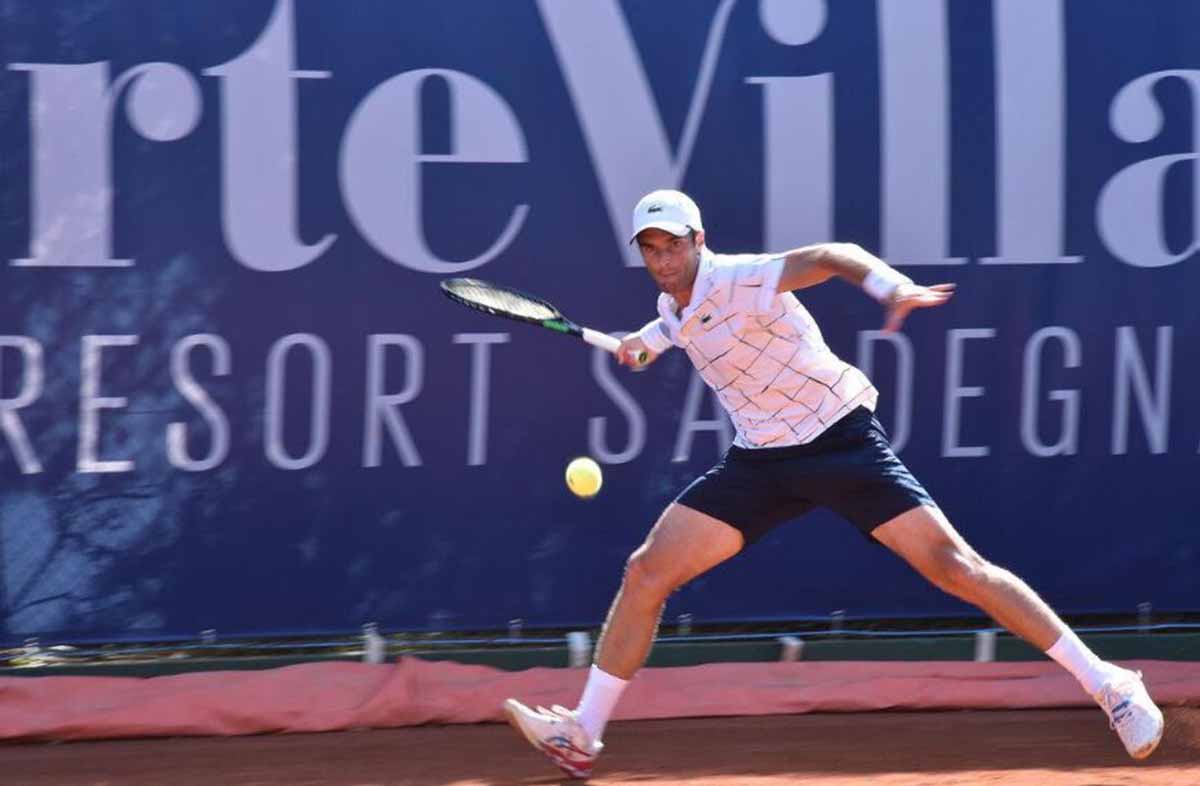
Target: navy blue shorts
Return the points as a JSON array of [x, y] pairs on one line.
[[849, 469]]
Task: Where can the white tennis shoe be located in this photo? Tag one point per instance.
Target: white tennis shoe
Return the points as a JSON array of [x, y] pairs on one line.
[[1132, 714], [556, 732]]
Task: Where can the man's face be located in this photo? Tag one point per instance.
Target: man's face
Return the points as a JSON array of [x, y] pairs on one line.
[[672, 261]]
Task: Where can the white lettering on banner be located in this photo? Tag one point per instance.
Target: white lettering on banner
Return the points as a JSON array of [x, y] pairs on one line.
[[798, 127], [197, 396], [91, 402], [690, 421], [793, 22], [902, 419], [1030, 133], [381, 163], [1153, 404], [914, 104], [258, 143], [32, 376], [1130, 211], [480, 385], [318, 430], [382, 407], [72, 108], [1068, 442], [1132, 380], [621, 123], [635, 418], [956, 392], [798, 181], [71, 142]]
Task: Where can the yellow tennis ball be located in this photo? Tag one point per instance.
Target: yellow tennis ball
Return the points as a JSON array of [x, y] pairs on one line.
[[583, 477]]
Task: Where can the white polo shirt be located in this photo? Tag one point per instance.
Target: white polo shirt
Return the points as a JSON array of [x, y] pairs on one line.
[[762, 352]]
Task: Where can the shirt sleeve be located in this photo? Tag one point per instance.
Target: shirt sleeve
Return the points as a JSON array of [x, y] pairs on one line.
[[752, 281]]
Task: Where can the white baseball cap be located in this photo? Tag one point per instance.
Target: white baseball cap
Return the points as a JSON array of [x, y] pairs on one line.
[[670, 211]]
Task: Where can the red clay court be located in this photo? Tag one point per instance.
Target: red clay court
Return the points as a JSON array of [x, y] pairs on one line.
[[821, 724], [961, 748]]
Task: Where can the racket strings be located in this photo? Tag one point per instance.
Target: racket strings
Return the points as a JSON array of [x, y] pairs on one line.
[[491, 298]]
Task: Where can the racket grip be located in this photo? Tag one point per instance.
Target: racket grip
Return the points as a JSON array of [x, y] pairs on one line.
[[607, 342], [602, 340]]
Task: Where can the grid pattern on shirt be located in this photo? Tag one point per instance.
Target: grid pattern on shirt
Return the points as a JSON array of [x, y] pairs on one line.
[[770, 368]]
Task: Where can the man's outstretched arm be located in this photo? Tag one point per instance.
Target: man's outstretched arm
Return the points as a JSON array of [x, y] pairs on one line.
[[812, 265]]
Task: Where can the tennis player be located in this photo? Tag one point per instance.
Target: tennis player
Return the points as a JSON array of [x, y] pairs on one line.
[[807, 437]]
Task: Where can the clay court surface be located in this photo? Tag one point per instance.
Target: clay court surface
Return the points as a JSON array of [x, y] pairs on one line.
[[964, 748]]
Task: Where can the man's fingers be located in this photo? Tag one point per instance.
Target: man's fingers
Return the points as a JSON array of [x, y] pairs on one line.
[[923, 297], [628, 355], [928, 297]]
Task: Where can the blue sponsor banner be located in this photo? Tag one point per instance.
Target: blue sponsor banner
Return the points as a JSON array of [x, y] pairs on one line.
[[232, 397]]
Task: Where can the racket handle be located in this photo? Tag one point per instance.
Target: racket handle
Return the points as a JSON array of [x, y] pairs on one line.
[[610, 344], [602, 340]]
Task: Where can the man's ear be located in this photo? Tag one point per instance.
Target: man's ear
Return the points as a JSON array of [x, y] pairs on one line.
[[699, 241]]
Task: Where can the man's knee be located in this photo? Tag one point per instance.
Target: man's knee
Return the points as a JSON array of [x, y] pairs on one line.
[[647, 579], [683, 544]]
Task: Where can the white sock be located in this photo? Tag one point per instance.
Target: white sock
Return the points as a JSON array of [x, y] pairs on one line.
[[600, 696], [1074, 656]]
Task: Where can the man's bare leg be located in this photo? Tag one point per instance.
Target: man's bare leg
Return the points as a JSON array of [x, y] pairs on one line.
[[924, 538], [682, 545], [927, 541]]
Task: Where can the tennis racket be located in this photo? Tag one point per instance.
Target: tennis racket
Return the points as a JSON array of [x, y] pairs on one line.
[[509, 303]]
